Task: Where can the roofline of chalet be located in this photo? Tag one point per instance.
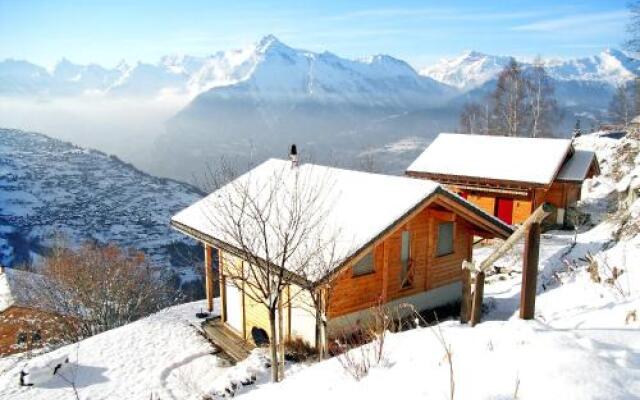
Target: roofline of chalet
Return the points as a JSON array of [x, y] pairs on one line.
[[484, 220], [452, 179], [593, 164], [210, 240]]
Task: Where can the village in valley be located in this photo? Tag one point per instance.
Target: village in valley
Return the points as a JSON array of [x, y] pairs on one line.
[[501, 262]]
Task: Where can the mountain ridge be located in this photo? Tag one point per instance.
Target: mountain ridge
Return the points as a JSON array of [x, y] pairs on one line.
[[193, 75]]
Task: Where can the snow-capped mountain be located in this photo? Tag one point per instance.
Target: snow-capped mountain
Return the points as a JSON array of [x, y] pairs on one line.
[[472, 69], [610, 66], [262, 99], [254, 101], [467, 71], [49, 187], [272, 66]]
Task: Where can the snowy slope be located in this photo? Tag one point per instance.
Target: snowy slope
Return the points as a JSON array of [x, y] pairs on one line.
[[580, 346], [49, 187], [160, 355]]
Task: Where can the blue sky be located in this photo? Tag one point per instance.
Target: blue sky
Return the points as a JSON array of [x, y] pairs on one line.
[[418, 31]]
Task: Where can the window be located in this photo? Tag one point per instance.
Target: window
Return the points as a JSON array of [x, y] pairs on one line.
[[364, 265], [21, 338], [36, 337], [445, 239], [406, 276]]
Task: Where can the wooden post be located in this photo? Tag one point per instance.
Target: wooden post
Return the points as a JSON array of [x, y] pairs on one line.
[[534, 219], [385, 272], [478, 293], [223, 288], [208, 276], [530, 272], [281, 337], [465, 306]]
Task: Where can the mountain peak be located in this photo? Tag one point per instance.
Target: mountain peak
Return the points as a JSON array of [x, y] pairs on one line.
[[269, 42], [472, 54]]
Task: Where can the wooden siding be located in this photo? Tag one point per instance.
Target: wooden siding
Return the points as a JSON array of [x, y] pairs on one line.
[[354, 293], [486, 202], [556, 195], [522, 208]]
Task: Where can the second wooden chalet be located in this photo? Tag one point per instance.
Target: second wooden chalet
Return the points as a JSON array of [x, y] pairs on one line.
[[508, 177], [401, 240]]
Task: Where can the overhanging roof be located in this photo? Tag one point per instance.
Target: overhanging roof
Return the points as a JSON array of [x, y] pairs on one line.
[[499, 158], [360, 206]]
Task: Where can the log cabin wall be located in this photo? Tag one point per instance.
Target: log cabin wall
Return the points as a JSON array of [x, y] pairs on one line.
[[355, 293], [522, 205]]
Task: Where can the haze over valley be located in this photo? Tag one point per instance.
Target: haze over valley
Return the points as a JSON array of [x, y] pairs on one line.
[[176, 116]]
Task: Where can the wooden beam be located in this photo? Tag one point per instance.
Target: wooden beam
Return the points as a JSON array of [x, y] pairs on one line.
[[478, 294], [385, 271], [536, 217], [208, 276], [223, 287], [443, 215], [465, 306], [530, 272]]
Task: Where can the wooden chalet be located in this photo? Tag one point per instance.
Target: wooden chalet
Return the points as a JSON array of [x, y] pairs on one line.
[[402, 240], [508, 177], [24, 325]]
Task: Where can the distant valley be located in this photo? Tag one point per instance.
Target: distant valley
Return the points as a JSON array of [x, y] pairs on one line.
[[52, 190]]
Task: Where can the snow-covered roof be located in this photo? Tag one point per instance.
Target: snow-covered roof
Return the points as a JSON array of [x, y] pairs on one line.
[[355, 206], [576, 168], [14, 286], [532, 160]]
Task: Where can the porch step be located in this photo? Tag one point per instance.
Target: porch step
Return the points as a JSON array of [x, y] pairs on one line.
[[227, 340]]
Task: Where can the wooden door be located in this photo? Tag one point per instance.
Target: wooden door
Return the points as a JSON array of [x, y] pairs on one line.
[[504, 209]]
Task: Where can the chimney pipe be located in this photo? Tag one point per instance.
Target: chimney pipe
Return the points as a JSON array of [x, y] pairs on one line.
[[293, 155]]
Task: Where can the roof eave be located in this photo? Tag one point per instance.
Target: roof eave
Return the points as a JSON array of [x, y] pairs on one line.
[[212, 241]]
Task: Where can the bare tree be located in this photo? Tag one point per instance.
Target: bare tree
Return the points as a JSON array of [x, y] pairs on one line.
[[509, 114], [474, 119], [621, 106], [274, 225], [633, 27], [543, 111], [96, 288], [318, 285]]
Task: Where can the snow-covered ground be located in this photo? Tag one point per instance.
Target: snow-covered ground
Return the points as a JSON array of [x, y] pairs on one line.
[[583, 344], [163, 356]]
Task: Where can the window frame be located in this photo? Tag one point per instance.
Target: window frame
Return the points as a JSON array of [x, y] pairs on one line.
[[453, 236], [406, 280], [372, 270]]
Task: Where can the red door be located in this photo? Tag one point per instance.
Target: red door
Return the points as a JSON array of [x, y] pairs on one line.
[[464, 195], [504, 209]]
